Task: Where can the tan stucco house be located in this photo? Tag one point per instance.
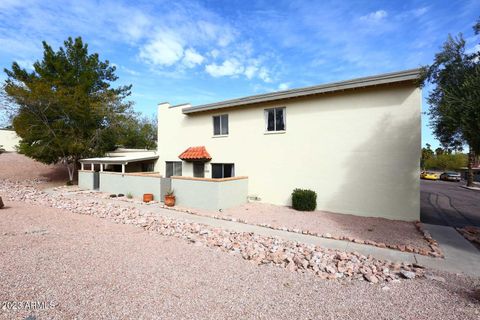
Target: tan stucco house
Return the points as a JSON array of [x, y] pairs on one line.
[[356, 143]]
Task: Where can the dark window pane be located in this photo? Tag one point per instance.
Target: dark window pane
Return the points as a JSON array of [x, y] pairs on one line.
[[216, 125], [198, 169], [270, 119], [177, 168], [279, 119], [224, 128], [169, 169], [217, 171], [228, 170]]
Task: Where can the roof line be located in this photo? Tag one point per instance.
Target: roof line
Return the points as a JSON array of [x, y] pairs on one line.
[[392, 77], [117, 160]]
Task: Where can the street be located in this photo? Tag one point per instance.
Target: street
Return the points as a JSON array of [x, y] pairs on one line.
[[447, 203]]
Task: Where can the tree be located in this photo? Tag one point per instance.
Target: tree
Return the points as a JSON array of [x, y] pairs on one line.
[[439, 151], [427, 153], [455, 99], [447, 161], [138, 132], [66, 109]]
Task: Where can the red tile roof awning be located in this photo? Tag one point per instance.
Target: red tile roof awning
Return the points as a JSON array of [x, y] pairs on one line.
[[195, 154]]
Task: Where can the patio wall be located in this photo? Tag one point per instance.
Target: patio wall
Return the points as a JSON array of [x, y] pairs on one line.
[[210, 194], [134, 183], [85, 179]]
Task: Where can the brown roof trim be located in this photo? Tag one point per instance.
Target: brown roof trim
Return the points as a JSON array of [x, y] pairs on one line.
[[386, 78], [209, 179]]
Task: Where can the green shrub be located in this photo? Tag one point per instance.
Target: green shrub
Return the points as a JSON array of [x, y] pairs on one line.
[[304, 200]]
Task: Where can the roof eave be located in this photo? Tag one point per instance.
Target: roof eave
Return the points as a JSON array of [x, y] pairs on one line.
[[106, 160], [387, 78]]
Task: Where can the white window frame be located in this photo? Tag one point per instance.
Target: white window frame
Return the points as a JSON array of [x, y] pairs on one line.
[[265, 115], [221, 125], [175, 163]]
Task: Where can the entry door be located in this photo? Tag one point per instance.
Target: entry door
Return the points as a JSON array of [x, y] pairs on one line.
[[96, 180], [199, 170]]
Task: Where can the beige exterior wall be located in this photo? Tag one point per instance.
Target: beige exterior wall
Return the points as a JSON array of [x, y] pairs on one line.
[[85, 179], [8, 139], [358, 149], [135, 184], [210, 195]]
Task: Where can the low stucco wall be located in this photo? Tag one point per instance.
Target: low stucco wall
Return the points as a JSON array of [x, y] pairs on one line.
[[85, 179], [135, 184], [210, 194], [9, 140]]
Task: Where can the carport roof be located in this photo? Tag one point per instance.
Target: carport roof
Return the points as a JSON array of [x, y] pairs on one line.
[[119, 160]]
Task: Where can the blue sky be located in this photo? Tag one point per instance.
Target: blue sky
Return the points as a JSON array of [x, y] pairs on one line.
[[200, 52]]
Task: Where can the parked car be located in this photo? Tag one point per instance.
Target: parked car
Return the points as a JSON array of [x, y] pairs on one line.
[[450, 176], [427, 175]]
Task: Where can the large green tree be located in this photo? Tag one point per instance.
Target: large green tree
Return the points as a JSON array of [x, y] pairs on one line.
[[455, 98], [138, 132], [66, 108]]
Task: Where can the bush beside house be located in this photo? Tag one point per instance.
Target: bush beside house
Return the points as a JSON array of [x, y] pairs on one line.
[[304, 200]]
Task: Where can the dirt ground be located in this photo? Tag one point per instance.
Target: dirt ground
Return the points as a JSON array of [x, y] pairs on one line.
[[58, 265], [88, 268], [20, 167]]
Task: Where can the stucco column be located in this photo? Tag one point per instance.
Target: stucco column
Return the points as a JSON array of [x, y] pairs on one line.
[[92, 167], [101, 167], [81, 165], [123, 168]]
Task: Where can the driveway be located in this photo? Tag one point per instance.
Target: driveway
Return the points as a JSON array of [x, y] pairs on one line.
[[448, 204]]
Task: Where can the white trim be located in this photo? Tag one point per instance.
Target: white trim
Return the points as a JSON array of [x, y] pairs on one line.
[[275, 132]]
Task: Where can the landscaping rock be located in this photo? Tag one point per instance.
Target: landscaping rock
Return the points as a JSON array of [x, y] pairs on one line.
[[294, 256], [371, 278], [408, 274], [435, 278]]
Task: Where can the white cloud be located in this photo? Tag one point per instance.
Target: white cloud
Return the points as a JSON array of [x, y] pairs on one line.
[[137, 26], [473, 49], [164, 50], [264, 75], [250, 71], [130, 71], [420, 11], [375, 16], [26, 64], [214, 53], [283, 86], [230, 67], [221, 33], [192, 58]]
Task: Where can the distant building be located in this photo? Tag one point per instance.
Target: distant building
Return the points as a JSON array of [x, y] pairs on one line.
[[8, 140]]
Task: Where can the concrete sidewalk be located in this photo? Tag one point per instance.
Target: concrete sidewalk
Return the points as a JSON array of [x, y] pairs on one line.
[[460, 255]]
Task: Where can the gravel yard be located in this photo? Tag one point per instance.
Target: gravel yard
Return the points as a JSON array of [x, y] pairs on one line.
[[83, 260], [379, 230], [91, 268]]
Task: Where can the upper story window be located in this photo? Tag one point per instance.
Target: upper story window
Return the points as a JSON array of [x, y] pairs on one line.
[[173, 168], [220, 125], [275, 119]]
